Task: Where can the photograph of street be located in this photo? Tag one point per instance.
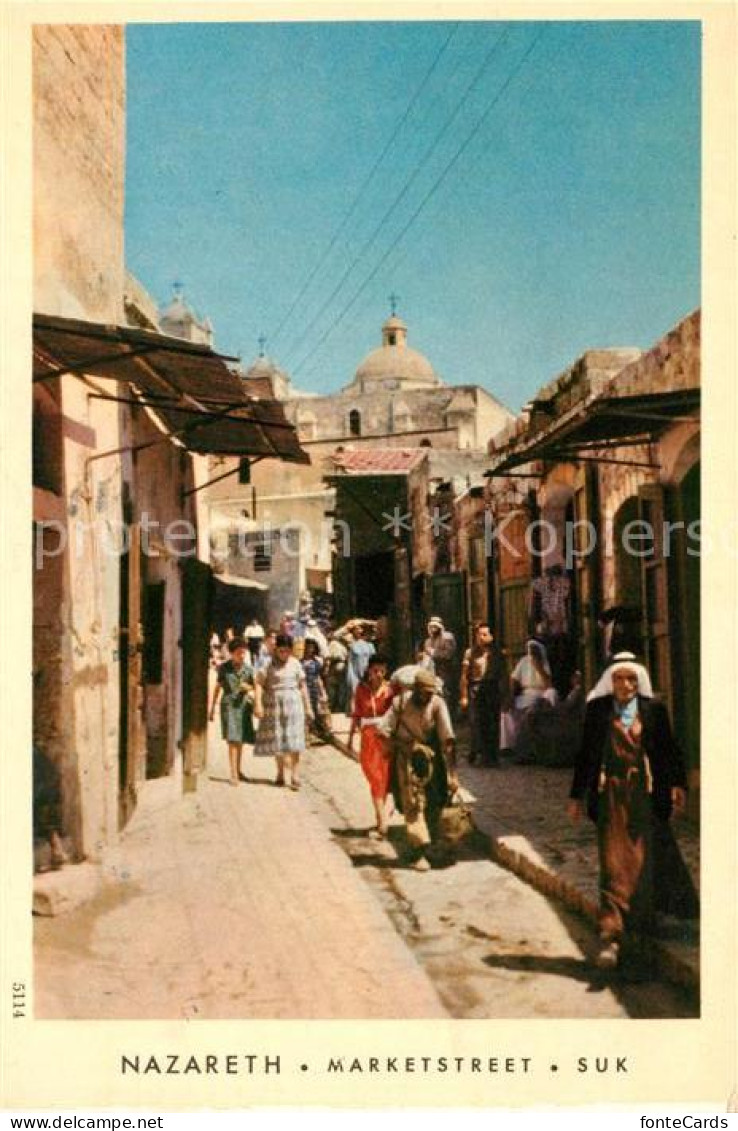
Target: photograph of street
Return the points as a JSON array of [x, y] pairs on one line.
[[366, 519]]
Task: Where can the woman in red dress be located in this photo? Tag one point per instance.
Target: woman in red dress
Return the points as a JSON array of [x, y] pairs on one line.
[[373, 699]]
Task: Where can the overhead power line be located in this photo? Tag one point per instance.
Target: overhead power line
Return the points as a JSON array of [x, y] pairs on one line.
[[431, 149], [367, 181], [426, 199], [440, 201]]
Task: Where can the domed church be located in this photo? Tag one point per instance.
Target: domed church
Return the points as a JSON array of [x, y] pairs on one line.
[[396, 398], [393, 363]]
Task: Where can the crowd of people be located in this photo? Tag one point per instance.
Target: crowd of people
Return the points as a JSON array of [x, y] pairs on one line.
[[276, 688]]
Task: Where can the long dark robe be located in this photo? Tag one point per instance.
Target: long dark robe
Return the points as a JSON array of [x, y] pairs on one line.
[[628, 776]]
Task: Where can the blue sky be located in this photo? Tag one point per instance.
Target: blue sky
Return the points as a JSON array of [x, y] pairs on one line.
[[568, 221]]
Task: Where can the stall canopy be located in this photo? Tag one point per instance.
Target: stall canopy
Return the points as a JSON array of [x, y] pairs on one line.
[[197, 398], [602, 423]]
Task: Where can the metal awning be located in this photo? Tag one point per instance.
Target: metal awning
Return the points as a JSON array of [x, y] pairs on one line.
[[197, 398], [600, 424]]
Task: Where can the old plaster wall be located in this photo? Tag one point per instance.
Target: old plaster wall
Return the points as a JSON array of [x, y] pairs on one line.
[[161, 473], [78, 150], [90, 613], [285, 574]]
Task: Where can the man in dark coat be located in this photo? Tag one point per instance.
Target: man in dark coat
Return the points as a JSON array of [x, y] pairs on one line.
[[481, 677], [630, 772]]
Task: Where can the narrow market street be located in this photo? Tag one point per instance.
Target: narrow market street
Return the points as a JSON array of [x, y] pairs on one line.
[[260, 902]]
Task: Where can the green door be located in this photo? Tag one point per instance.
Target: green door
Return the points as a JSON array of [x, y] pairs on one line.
[[447, 600], [401, 628]]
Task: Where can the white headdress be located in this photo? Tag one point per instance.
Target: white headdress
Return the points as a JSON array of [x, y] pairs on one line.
[[534, 645], [621, 662]]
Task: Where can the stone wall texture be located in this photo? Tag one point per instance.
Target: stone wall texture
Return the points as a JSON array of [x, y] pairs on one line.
[[78, 155]]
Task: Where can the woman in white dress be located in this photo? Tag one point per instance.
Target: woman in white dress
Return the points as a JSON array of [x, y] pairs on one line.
[[282, 707]]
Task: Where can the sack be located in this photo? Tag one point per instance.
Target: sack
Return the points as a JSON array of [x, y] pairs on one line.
[[455, 822]]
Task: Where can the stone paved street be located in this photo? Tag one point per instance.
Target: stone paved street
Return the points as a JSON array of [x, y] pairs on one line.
[[260, 902], [228, 903], [569, 849], [522, 810], [493, 946]]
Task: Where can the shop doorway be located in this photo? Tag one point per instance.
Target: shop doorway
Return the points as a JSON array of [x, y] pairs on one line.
[[132, 735], [374, 584]]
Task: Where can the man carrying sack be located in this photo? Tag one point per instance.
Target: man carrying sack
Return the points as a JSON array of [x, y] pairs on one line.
[[424, 762]]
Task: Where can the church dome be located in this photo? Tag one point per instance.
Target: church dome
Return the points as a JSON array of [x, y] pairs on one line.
[[179, 320], [264, 369], [263, 366], [394, 365], [177, 311]]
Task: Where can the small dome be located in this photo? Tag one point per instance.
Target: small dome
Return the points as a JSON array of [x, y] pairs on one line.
[[263, 366], [265, 369], [179, 320], [178, 311]]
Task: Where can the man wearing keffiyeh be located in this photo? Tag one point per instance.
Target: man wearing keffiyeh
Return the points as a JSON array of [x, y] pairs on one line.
[[630, 771]]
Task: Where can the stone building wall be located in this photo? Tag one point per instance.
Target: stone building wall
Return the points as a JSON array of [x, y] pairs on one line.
[[422, 536], [475, 416], [78, 170], [158, 476], [468, 524], [672, 364], [90, 618], [285, 574], [471, 552]]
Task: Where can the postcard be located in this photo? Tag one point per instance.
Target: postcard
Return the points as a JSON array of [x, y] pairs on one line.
[[369, 682]]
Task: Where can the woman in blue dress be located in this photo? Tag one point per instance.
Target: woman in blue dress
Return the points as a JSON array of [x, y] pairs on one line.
[[235, 689]]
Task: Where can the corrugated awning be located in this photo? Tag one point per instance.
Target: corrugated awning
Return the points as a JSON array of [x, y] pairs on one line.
[[606, 422], [197, 398]]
